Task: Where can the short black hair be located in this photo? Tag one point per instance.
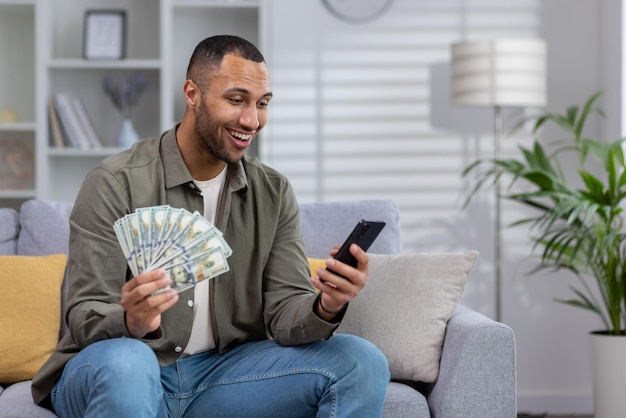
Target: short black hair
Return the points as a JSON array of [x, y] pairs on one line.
[[210, 52]]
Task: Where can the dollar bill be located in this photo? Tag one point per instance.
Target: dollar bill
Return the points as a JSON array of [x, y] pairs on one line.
[[185, 244]]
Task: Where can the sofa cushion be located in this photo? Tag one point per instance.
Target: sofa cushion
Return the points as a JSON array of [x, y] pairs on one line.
[[17, 402], [9, 230], [316, 263], [405, 306], [403, 401], [44, 228], [30, 308]]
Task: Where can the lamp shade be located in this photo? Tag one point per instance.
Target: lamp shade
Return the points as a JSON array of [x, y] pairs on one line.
[[508, 72]]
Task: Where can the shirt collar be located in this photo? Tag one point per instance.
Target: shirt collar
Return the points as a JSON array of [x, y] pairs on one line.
[[176, 172]]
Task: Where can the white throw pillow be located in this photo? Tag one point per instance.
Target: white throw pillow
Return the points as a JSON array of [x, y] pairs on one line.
[[405, 306]]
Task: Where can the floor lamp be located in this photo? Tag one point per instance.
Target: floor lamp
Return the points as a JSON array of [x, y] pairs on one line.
[[499, 73]]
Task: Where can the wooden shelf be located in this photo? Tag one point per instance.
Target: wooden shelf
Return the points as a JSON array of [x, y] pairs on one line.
[[17, 194], [79, 153], [18, 126], [81, 64], [216, 3]]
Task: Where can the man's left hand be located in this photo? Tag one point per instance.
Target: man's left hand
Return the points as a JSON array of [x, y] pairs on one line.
[[342, 284]]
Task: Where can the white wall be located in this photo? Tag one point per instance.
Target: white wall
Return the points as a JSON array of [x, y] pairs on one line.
[[363, 111]]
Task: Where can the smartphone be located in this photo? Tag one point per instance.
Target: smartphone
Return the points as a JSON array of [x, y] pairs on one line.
[[363, 235]]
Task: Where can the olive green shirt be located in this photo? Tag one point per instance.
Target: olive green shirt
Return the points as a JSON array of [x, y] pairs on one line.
[[266, 291]]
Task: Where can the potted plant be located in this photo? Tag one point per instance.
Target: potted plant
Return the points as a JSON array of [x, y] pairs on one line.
[[124, 94], [577, 225]]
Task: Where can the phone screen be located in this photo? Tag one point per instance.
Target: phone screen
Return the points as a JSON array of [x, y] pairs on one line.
[[363, 235]]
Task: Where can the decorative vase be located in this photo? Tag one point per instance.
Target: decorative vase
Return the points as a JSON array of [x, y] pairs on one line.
[[609, 374], [127, 135]]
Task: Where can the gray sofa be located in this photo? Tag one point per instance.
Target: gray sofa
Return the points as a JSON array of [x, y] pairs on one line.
[[477, 369]]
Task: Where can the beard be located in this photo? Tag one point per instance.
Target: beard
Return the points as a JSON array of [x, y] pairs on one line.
[[210, 141]]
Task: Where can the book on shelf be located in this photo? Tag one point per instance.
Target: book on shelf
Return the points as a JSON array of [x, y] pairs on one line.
[[85, 122], [74, 123], [68, 122], [56, 133]]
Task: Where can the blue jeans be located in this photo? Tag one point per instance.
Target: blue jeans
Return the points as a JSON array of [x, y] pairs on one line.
[[345, 376]]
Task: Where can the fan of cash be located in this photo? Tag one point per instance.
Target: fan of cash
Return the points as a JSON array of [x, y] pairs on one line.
[[185, 244]]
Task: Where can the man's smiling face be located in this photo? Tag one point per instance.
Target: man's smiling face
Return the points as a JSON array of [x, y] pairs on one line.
[[233, 107]]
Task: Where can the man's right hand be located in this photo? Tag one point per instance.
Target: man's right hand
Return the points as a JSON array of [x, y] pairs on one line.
[[143, 310]]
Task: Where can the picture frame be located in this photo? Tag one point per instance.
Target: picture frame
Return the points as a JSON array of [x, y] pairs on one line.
[[104, 34]]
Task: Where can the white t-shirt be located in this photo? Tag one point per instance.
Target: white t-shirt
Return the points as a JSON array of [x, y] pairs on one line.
[[201, 338]]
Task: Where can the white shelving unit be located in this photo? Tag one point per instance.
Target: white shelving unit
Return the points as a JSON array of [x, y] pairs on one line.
[[46, 39], [18, 118]]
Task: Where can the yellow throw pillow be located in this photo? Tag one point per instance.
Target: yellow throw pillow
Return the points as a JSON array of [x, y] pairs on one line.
[[30, 313], [315, 263]]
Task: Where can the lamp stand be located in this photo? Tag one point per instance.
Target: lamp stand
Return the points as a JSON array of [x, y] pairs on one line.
[[497, 74], [497, 132]]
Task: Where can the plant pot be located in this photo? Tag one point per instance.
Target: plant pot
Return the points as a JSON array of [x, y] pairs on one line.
[[127, 135], [609, 374]]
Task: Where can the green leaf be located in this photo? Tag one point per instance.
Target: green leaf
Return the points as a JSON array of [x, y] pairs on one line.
[[611, 174], [585, 112], [576, 223], [560, 120], [571, 114], [621, 184], [540, 121], [595, 188], [540, 179]]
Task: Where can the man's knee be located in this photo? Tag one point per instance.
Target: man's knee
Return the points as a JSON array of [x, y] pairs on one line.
[[110, 375], [364, 357], [126, 358]]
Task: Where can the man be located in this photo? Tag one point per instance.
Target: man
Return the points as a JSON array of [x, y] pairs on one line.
[[205, 352]]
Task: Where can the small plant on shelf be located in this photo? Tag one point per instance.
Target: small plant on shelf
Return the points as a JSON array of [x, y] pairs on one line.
[[125, 92]]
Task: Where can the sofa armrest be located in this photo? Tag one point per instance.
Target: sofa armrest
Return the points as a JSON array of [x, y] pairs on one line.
[[477, 375]]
